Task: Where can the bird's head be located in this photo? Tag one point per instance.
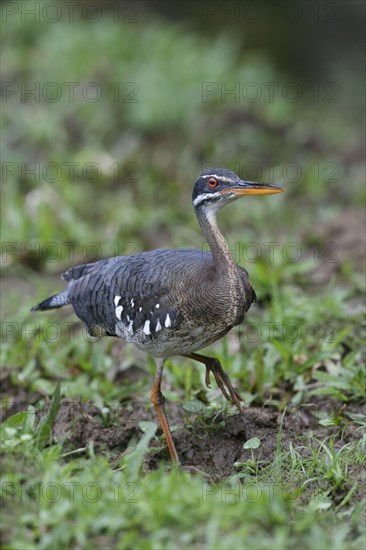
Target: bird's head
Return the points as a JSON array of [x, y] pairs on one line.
[[216, 188]]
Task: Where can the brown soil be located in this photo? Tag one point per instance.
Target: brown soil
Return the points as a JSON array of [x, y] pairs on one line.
[[209, 444]]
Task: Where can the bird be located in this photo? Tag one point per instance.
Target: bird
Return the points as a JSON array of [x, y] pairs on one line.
[[171, 302]]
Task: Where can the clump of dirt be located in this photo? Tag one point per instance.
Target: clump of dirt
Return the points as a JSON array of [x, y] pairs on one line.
[[216, 449], [77, 424], [214, 444], [211, 445]]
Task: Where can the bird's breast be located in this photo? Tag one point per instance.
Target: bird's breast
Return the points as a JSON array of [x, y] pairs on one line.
[[214, 300], [184, 339]]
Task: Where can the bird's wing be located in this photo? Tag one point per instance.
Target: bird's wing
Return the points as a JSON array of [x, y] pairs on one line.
[[131, 289], [251, 297]]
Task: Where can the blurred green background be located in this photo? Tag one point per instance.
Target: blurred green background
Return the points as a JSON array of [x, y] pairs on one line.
[[126, 112], [110, 111]]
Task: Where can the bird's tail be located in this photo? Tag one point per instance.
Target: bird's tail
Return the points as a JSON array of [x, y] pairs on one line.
[[53, 302]]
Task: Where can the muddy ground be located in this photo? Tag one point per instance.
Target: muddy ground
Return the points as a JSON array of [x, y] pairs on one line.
[[209, 443]]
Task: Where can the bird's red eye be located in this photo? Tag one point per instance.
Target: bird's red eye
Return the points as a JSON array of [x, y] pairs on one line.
[[212, 183]]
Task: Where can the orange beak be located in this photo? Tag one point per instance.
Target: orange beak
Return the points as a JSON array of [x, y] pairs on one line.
[[253, 188]]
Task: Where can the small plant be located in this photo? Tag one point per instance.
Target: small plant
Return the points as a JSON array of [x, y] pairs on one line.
[[21, 428]]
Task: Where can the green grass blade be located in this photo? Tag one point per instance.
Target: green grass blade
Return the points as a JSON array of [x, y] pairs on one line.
[[46, 423], [134, 460]]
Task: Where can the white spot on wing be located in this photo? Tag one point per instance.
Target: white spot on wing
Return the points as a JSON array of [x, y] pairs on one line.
[[140, 308], [147, 328], [119, 310], [116, 300], [132, 303], [158, 326], [157, 306], [168, 322]]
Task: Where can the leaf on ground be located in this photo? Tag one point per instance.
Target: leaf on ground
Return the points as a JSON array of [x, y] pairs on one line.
[[253, 443], [133, 461], [14, 422], [44, 428]]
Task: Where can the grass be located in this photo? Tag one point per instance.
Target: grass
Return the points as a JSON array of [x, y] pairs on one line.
[[296, 484], [292, 503]]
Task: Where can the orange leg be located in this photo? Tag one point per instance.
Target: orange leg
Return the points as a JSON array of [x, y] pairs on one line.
[[222, 380], [158, 400]]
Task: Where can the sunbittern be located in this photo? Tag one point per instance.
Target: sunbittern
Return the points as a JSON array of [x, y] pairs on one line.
[[170, 302]]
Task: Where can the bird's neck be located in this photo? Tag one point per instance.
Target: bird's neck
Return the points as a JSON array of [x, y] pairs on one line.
[[227, 282], [222, 257]]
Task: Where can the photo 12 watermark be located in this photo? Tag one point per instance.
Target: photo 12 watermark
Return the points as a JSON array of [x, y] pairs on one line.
[[242, 252], [26, 91], [70, 251], [47, 11], [269, 92], [71, 171], [53, 492], [251, 332], [269, 11], [234, 493], [327, 172]]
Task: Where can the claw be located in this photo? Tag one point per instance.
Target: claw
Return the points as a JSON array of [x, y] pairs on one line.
[[224, 384], [207, 377], [221, 378]]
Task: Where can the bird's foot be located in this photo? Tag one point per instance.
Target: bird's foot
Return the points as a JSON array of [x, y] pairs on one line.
[[223, 382]]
